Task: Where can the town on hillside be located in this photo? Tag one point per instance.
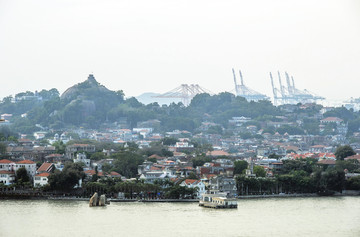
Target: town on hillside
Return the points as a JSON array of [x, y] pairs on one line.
[[91, 139]]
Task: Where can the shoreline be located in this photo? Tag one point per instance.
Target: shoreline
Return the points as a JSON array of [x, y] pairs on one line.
[[73, 198]]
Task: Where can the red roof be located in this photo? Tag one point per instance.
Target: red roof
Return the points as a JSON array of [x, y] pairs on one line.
[[191, 181], [217, 153], [54, 155], [332, 119], [5, 161], [92, 172], [354, 157], [81, 145], [204, 170], [157, 157], [24, 140], [25, 162], [209, 176], [327, 162], [113, 173], [45, 167], [45, 174]]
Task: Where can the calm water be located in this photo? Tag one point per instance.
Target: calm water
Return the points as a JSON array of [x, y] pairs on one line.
[[333, 216]]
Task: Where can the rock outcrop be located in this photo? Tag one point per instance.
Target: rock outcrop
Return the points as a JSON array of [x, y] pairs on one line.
[[94, 200]]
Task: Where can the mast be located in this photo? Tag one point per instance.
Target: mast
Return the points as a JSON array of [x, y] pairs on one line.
[[241, 78], [236, 85], [273, 88]]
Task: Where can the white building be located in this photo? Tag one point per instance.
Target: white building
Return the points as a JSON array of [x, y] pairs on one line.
[[29, 165], [8, 169], [41, 179], [81, 157], [193, 183], [7, 177], [152, 176]]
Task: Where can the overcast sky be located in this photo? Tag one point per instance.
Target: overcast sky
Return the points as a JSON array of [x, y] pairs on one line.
[[155, 45]]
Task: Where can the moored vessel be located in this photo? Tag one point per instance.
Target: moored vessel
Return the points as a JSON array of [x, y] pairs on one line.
[[214, 199]]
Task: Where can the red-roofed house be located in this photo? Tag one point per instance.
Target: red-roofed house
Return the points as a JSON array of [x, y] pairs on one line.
[[328, 163], [29, 165], [332, 120], [7, 177], [46, 167], [92, 172], [193, 183], [41, 179], [114, 174], [354, 157], [8, 165], [217, 153]]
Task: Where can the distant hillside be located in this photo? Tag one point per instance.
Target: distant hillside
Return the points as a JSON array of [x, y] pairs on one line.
[[91, 105], [148, 98]]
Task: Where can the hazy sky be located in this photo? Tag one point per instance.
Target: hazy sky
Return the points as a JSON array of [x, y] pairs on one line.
[[156, 45]]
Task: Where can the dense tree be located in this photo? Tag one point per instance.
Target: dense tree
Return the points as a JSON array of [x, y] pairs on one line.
[[353, 183], [240, 166], [169, 141], [126, 163], [68, 178], [343, 152], [177, 191], [259, 171], [59, 147], [2, 149], [200, 160], [22, 175]]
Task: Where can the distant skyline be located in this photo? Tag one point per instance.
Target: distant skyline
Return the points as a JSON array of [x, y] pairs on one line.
[[154, 46]]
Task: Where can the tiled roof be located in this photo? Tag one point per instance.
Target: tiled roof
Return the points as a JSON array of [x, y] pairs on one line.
[[217, 153], [81, 145], [191, 181], [5, 161], [25, 162], [113, 173], [45, 174], [354, 157], [92, 172], [44, 167], [157, 157], [53, 155], [327, 162], [332, 119]]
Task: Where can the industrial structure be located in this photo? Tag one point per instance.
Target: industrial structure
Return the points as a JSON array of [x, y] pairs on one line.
[[290, 94], [246, 92], [185, 92], [352, 103]]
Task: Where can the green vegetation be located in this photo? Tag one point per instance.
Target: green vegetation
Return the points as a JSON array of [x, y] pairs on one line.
[[343, 152], [240, 166], [68, 178], [302, 176]]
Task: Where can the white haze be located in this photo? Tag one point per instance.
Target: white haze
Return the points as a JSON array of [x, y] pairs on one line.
[[152, 45]]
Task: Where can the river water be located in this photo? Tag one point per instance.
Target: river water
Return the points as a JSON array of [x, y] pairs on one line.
[[320, 216]]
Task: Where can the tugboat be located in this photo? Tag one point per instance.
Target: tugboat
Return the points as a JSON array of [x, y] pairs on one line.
[[216, 199]]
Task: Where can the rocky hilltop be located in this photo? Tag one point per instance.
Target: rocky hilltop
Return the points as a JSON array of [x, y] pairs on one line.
[[82, 89]]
